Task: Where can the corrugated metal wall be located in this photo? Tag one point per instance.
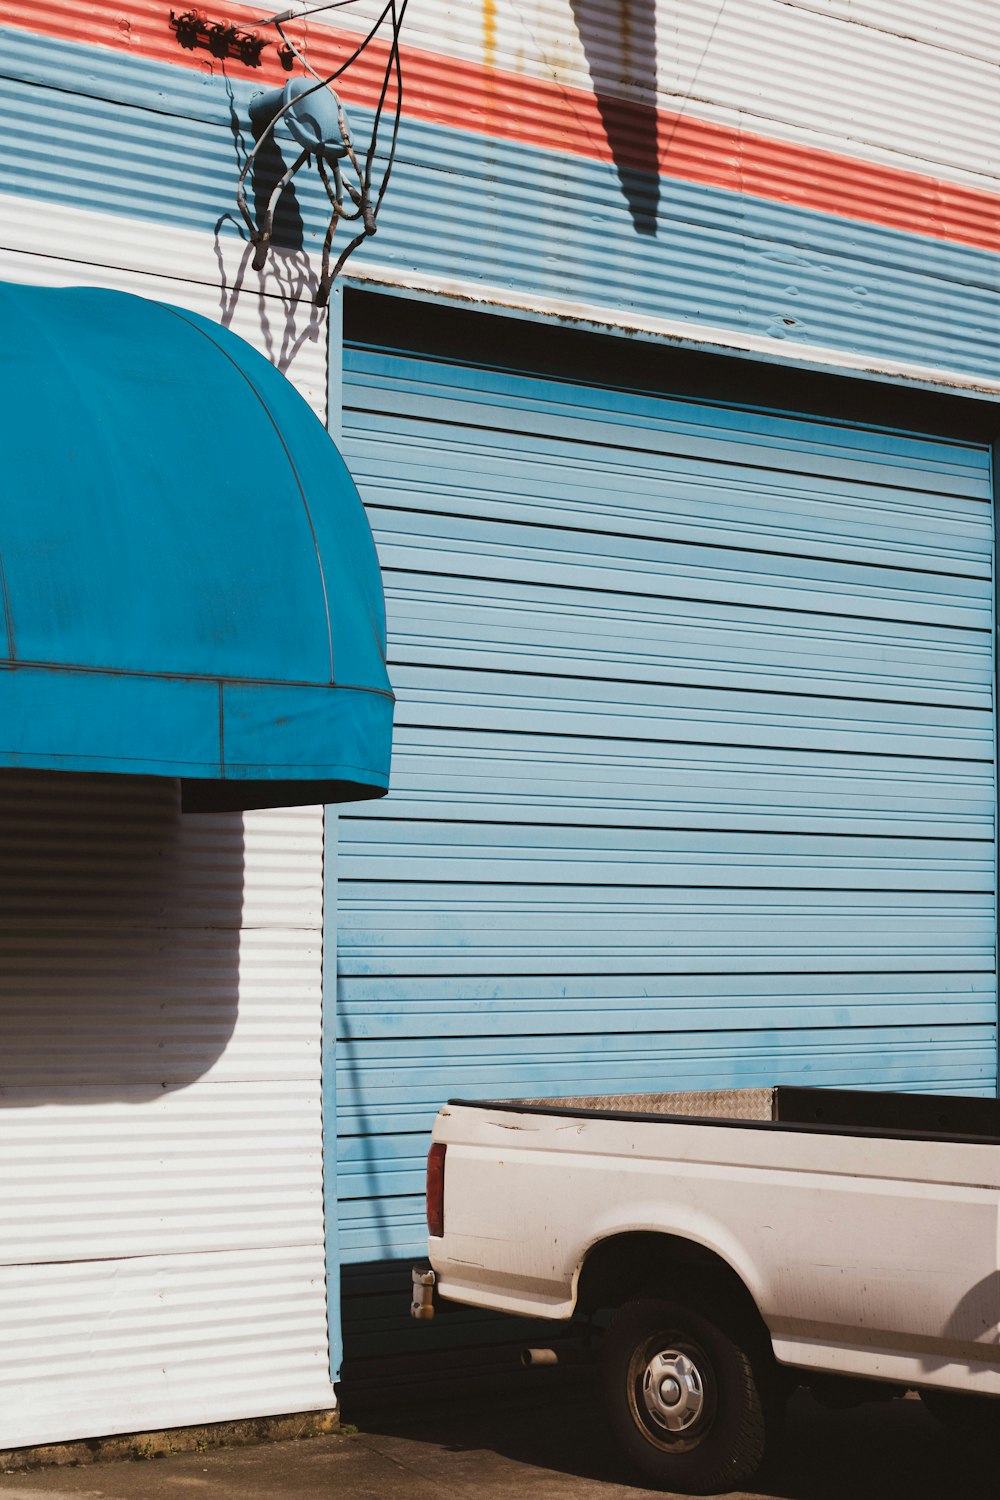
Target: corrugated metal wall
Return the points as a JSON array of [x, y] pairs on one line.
[[162, 1239], [818, 181], [814, 181], [151, 1273], [693, 783]]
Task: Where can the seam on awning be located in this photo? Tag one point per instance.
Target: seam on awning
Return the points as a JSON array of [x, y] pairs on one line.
[[8, 617], [167, 676], [291, 463]]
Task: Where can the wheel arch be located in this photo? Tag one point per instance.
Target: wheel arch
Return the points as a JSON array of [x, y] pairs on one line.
[[630, 1263]]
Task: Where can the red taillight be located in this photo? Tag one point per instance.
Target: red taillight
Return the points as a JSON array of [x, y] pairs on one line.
[[435, 1190]]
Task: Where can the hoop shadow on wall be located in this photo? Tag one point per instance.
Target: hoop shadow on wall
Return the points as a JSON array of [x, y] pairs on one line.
[[269, 166], [619, 42]]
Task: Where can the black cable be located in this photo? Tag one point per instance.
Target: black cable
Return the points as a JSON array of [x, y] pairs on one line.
[[360, 196]]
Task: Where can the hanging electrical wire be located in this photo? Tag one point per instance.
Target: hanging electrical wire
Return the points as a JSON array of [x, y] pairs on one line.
[[315, 117]]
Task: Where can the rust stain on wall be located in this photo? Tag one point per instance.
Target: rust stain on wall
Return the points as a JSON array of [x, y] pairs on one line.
[[489, 33]]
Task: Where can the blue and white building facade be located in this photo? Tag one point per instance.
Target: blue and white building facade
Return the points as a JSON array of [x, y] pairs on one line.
[[670, 384]]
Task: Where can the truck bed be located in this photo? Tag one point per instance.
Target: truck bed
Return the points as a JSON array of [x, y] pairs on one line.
[[863, 1225], [826, 1111]]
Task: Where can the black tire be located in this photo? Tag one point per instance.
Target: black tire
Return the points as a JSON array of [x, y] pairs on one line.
[[699, 1430], [975, 1417]]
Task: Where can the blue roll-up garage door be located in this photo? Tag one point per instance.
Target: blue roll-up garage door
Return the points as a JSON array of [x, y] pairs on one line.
[[693, 778]]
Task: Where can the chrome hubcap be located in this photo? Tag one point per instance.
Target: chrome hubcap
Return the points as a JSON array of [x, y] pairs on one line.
[[672, 1390]]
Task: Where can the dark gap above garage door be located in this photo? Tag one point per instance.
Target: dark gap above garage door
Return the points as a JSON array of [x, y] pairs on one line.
[[485, 339]]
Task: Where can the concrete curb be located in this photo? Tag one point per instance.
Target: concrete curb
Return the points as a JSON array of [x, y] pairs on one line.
[[137, 1446]]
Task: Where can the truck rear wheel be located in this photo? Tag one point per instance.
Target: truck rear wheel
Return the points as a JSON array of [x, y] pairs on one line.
[[686, 1400]]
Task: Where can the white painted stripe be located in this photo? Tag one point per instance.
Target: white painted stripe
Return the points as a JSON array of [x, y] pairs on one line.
[[966, 26]]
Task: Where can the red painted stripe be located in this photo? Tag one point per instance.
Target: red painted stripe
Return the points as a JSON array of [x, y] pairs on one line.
[[558, 118]]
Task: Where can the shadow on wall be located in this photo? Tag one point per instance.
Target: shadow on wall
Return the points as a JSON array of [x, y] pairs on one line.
[[119, 938], [277, 304], [619, 41], [268, 169]]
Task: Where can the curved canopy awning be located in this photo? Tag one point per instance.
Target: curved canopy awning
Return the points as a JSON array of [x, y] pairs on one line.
[[189, 583]]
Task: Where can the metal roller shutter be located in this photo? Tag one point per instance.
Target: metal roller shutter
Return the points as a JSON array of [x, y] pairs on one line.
[[693, 779]]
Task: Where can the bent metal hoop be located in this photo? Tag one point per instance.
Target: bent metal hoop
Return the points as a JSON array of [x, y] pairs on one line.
[[314, 115]]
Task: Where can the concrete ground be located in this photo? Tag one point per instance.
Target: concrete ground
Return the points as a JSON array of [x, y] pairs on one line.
[[553, 1448]]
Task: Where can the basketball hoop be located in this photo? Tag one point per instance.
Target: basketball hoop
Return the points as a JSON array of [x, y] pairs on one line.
[[313, 114]]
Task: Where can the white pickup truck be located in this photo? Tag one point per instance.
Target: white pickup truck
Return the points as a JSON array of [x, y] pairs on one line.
[[733, 1245]]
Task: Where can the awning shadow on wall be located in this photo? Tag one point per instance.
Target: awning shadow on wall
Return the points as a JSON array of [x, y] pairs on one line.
[[619, 41], [119, 938]]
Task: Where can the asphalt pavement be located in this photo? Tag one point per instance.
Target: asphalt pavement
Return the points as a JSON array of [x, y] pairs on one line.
[[542, 1448]]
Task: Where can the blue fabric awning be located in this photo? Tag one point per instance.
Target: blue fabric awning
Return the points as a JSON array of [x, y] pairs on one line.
[[189, 583]]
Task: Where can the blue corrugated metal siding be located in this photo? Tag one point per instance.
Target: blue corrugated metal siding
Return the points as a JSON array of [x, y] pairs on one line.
[[162, 145], [693, 777]]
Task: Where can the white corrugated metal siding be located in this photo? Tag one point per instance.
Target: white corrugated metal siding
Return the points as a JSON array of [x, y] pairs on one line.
[[162, 1255], [861, 78]]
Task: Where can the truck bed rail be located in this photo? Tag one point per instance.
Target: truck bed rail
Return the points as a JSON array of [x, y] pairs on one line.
[[863, 1112]]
